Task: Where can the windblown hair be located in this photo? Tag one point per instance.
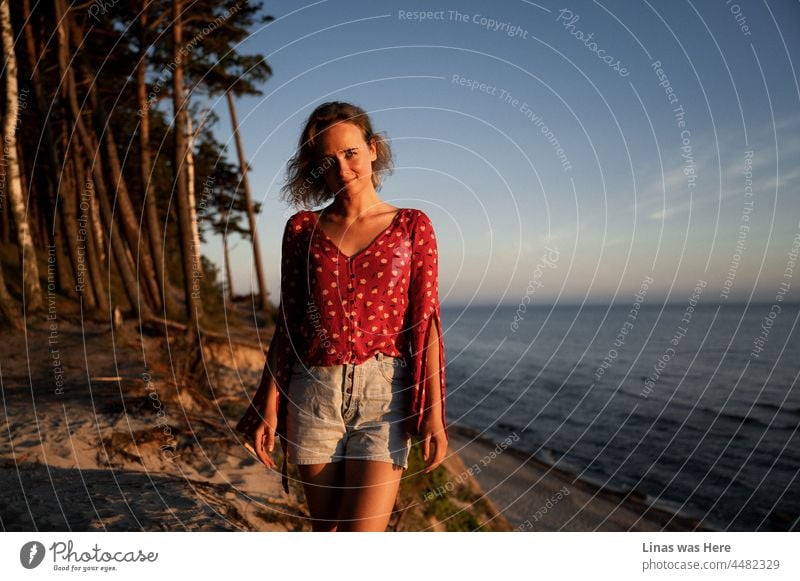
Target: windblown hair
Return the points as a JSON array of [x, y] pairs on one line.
[[305, 185]]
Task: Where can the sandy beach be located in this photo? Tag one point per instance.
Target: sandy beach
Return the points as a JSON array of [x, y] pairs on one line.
[[98, 438], [116, 448]]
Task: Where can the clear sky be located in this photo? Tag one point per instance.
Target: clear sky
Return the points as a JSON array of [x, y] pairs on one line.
[[580, 164]]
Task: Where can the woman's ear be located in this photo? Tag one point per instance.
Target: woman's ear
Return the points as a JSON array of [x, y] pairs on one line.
[[373, 148]]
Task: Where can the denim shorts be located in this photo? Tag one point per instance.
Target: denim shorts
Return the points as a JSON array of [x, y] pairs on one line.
[[358, 411]]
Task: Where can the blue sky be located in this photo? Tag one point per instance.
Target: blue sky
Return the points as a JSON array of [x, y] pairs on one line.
[[559, 150]]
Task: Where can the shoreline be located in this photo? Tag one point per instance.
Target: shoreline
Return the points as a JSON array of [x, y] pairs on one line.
[[534, 495]]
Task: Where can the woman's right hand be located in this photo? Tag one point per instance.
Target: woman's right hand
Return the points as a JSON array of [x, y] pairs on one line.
[[265, 439]]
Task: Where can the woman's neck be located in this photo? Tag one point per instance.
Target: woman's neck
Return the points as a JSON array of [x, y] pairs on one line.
[[349, 209]]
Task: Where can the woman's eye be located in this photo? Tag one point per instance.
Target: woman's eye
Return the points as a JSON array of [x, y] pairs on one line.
[[351, 152]]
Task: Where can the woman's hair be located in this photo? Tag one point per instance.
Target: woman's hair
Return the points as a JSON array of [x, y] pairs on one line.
[[305, 185]]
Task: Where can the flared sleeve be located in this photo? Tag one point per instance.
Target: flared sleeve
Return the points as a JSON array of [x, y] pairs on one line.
[[287, 341], [425, 313]]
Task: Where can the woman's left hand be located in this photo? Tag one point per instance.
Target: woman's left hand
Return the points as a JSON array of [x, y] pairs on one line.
[[433, 435]]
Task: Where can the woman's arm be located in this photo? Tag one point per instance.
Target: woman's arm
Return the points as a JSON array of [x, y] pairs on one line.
[[281, 355], [264, 437], [433, 397], [424, 294], [433, 430], [268, 375]]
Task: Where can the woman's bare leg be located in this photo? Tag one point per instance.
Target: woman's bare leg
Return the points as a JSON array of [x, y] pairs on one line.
[[322, 484], [369, 494]]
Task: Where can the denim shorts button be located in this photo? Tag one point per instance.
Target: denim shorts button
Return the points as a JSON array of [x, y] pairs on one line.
[[341, 422]]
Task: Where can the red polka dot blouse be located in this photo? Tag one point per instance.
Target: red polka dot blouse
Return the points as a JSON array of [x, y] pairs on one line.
[[337, 309]]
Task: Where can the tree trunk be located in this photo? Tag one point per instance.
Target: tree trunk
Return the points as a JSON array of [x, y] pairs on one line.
[[146, 166], [251, 216], [95, 260], [48, 194], [120, 252], [35, 218], [127, 215], [97, 221], [5, 220], [191, 285], [5, 224], [70, 226], [8, 315], [226, 257], [88, 204], [191, 190], [91, 149], [66, 284], [30, 269]]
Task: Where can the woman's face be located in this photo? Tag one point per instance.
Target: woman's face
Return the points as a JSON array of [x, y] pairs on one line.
[[345, 159]]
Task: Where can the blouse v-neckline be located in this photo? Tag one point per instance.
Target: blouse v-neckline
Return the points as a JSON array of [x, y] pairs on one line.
[[368, 246]]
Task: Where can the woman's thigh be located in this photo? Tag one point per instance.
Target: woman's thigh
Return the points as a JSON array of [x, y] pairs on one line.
[[369, 492], [322, 484]]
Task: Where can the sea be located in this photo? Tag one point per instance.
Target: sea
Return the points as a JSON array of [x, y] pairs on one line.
[[696, 407]]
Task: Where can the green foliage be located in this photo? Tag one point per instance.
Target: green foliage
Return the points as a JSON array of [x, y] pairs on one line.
[[421, 489]]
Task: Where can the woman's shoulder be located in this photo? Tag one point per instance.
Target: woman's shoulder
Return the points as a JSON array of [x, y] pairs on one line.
[[299, 219], [418, 219], [412, 215]]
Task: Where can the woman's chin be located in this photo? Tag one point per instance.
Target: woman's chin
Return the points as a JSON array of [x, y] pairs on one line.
[[349, 188]]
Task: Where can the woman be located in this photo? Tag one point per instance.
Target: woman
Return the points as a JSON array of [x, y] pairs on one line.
[[356, 365]]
